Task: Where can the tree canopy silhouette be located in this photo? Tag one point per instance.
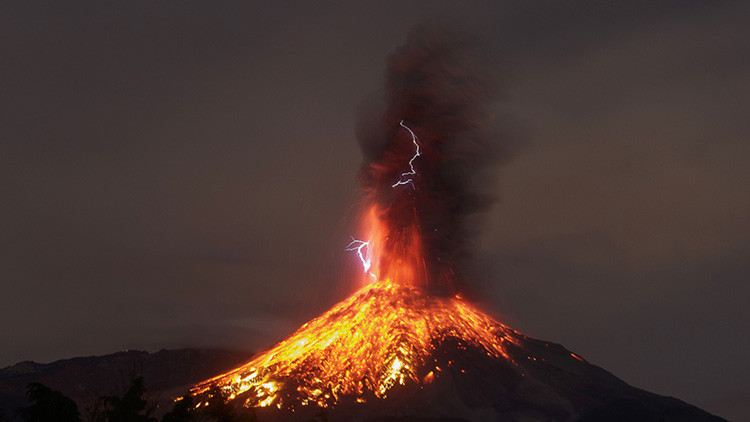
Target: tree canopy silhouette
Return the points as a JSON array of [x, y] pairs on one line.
[[216, 409], [48, 405], [182, 411], [131, 407]]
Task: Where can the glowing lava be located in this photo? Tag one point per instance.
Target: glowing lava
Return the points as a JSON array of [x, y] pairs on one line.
[[383, 335]]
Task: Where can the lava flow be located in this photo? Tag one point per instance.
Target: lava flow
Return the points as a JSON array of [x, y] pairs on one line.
[[384, 334]]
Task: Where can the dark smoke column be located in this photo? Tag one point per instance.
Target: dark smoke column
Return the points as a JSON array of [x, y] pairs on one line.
[[436, 84]]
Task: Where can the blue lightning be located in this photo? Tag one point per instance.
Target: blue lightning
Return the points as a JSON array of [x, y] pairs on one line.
[[411, 171], [366, 257], [358, 245]]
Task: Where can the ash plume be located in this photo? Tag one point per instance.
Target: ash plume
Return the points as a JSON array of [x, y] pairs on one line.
[[438, 83]]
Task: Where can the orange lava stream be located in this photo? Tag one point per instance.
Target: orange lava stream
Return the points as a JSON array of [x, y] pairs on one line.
[[382, 335]]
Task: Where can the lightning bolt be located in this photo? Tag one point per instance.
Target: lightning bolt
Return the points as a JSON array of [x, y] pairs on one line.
[[358, 245], [411, 171], [365, 257]]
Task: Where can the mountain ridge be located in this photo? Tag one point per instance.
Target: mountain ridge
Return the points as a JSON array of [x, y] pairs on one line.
[[553, 387], [167, 374]]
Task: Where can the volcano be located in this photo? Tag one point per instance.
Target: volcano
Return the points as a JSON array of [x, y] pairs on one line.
[[393, 352], [407, 344]]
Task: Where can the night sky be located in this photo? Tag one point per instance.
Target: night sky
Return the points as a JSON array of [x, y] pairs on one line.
[[184, 174]]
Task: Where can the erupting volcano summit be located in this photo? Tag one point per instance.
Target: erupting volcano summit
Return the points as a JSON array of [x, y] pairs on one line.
[[419, 163]]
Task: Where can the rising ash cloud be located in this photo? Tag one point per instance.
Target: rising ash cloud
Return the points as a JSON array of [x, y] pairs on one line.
[[439, 85]]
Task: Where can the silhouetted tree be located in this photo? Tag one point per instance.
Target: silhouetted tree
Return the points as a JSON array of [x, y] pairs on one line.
[[220, 410], [182, 411], [215, 408], [132, 407], [48, 405]]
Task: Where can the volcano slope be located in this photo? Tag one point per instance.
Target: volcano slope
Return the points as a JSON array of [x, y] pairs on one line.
[[392, 352]]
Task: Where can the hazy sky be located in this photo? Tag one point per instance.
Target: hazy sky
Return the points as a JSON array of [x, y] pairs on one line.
[[184, 174]]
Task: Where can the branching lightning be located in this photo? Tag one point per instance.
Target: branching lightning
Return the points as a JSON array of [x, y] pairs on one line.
[[365, 257], [411, 171], [358, 245]]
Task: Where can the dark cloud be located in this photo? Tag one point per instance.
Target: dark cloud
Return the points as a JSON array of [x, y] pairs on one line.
[[438, 96], [171, 173]]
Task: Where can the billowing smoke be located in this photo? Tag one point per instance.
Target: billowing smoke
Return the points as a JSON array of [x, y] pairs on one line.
[[439, 86]]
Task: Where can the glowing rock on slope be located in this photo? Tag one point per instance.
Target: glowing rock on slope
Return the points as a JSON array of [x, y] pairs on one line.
[[381, 336]]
